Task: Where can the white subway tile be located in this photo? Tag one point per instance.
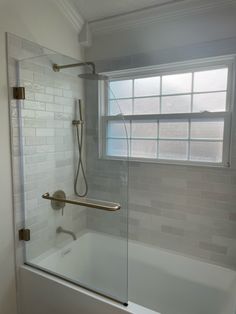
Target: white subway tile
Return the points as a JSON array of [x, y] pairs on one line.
[[54, 108], [43, 97], [33, 105], [27, 113], [45, 132], [44, 115]]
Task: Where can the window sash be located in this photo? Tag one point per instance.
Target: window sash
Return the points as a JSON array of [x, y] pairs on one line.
[[205, 116]]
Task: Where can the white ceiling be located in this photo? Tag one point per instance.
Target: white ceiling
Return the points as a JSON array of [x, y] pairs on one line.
[[98, 9]]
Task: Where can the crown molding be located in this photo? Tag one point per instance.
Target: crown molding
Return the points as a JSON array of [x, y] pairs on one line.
[[70, 11], [155, 14]]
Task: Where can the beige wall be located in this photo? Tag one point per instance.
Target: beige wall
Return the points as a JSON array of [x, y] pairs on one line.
[[42, 22]]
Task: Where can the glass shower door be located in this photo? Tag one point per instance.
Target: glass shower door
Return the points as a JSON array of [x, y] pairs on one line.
[[82, 240]]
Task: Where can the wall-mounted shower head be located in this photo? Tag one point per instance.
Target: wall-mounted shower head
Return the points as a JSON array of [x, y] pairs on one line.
[[93, 76], [88, 76]]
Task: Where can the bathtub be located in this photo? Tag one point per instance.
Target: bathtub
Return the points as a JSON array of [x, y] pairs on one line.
[[159, 282]]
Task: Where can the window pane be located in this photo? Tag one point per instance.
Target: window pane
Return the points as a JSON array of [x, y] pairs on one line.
[[209, 102], [173, 129], [147, 105], [176, 104], [206, 151], [176, 83], [120, 89], [118, 129], [176, 150], [207, 129], [116, 147], [213, 80], [144, 148], [144, 129], [121, 106], [147, 86]]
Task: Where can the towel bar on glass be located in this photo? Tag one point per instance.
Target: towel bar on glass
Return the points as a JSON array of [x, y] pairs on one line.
[[104, 205]]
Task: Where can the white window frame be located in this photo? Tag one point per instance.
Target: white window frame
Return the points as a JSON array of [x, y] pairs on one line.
[[172, 68]]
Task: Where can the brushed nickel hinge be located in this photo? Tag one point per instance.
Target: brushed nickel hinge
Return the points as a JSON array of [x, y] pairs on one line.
[[24, 234], [19, 93]]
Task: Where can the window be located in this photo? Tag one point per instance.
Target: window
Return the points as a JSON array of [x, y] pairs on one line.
[[177, 114]]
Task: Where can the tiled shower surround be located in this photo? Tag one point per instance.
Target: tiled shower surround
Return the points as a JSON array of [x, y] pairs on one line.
[[43, 148], [189, 210], [185, 209]]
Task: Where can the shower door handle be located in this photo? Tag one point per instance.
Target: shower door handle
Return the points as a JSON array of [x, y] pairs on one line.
[[103, 205]]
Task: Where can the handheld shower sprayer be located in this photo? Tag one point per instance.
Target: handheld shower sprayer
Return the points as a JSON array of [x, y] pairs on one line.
[[80, 110], [78, 113], [79, 125]]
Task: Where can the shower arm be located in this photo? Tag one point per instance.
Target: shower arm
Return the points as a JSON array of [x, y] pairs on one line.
[[57, 67]]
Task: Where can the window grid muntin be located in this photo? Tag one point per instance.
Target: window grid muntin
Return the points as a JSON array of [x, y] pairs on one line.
[[225, 141]]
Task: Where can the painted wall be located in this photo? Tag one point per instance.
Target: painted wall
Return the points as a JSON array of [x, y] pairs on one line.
[[42, 22], [174, 31], [190, 210]]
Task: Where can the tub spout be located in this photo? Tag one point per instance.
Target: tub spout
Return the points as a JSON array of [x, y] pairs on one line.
[[61, 230]]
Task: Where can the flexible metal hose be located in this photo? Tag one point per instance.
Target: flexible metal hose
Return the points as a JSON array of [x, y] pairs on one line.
[[80, 166]]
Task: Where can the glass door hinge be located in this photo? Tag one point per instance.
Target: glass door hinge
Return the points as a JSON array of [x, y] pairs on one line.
[[19, 93], [24, 234]]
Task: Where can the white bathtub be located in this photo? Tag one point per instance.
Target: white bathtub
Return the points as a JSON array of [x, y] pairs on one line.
[[159, 281]]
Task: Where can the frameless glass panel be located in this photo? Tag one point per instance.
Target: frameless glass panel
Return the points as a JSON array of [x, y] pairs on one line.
[[209, 129], [120, 89], [213, 80], [173, 129], [107, 180], [144, 129], [206, 151], [143, 148], [147, 105], [121, 106], [209, 102], [176, 83], [176, 104], [148, 86], [118, 129], [176, 150], [51, 123]]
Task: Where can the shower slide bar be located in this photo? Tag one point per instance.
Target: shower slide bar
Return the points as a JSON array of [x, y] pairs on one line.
[[103, 205]]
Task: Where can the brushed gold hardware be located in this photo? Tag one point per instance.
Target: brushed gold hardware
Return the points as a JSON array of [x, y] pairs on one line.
[[19, 93], [62, 230], [24, 234], [57, 67], [77, 122], [58, 204], [104, 205]]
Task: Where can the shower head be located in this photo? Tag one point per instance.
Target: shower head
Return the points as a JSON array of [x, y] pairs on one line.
[[93, 76], [87, 76]]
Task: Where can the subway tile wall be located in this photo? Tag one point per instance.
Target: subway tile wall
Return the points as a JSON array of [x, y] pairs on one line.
[[185, 209], [43, 149]]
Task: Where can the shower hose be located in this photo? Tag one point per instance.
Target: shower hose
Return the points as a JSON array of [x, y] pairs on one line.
[[80, 167]]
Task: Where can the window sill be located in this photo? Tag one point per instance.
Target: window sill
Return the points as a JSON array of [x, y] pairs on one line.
[[168, 162]]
